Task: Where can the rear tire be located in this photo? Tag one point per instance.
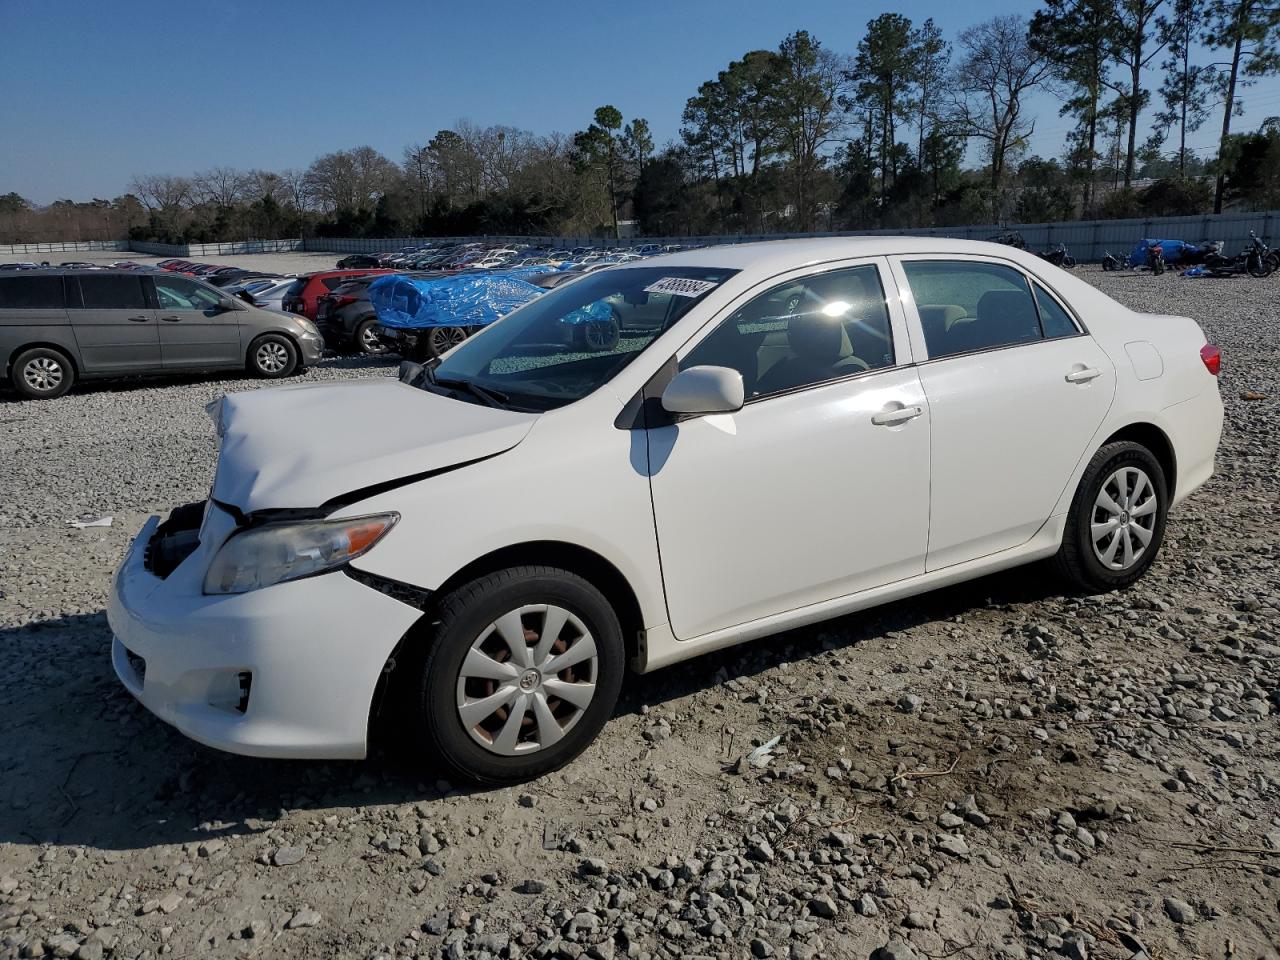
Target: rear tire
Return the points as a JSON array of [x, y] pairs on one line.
[[1117, 518], [440, 340], [42, 373], [521, 721], [272, 356]]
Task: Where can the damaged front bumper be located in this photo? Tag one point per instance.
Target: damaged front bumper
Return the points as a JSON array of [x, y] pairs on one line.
[[289, 670]]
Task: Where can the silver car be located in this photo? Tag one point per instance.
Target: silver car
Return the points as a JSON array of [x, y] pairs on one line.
[[60, 326]]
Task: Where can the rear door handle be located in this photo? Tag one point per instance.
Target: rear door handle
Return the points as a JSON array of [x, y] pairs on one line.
[[1083, 376], [171, 319], [139, 319], [889, 418]]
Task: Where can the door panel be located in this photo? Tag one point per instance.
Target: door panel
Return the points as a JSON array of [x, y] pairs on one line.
[[115, 328], [195, 330], [791, 501], [1008, 430]]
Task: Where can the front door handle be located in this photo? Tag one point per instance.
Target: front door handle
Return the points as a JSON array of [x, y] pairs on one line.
[[1083, 376], [171, 319], [139, 319], [889, 418]]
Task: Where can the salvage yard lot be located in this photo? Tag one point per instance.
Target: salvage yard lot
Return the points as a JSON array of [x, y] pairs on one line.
[[995, 770]]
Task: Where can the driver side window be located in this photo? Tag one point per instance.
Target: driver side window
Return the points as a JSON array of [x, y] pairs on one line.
[[823, 327]]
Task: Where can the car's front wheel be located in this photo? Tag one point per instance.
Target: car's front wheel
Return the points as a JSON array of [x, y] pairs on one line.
[[273, 355], [1116, 523], [522, 671], [366, 338]]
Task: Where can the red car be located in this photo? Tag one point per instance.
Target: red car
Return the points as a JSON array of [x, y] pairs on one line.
[[303, 296]]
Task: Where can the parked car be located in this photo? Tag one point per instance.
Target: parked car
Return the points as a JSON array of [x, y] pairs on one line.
[[347, 319], [59, 326], [818, 427], [355, 260], [302, 297], [20, 265], [272, 297]]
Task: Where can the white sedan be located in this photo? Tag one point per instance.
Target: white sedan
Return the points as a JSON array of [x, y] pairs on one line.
[[810, 428]]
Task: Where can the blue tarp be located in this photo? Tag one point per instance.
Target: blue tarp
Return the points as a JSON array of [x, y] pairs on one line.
[[1174, 251], [462, 301], [473, 300]]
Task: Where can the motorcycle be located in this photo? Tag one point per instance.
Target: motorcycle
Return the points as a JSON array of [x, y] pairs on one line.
[[1111, 262], [1058, 257], [1010, 238], [1257, 260], [1155, 259]]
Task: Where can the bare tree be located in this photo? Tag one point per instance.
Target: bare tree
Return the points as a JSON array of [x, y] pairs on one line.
[[997, 67], [165, 197], [223, 186]]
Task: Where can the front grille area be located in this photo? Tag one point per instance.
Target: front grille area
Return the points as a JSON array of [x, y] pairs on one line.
[[174, 539]]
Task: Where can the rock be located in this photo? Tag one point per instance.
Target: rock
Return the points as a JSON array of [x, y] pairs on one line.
[[209, 847], [288, 856], [303, 918], [531, 887], [953, 845], [916, 921], [866, 906], [593, 867], [824, 907], [91, 949], [909, 703], [758, 848], [761, 948], [170, 902], [1179, 911], [895, 950]]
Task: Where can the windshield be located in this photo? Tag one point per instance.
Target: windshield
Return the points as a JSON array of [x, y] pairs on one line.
[[563, 345]]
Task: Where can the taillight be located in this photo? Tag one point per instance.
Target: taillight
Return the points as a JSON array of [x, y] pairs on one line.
[[342, 302], [1212, 358]]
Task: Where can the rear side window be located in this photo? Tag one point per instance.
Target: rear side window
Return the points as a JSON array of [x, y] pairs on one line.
[[296, 288], [1055, 321], [31, 293], [331, 283], [967, 305], [109, 292]]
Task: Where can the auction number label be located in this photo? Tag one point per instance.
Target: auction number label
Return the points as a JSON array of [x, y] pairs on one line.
[[680, 286]]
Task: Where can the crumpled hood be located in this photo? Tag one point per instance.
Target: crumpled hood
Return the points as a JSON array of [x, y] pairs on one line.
[[301, 446]]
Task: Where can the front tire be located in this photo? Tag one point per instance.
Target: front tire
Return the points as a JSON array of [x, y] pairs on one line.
[[522, 672], [273, 356], [366, 338], [1117, 519], [43, 373], [440, 340]]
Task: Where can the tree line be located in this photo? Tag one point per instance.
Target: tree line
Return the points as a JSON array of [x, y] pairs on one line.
[[910, 129]]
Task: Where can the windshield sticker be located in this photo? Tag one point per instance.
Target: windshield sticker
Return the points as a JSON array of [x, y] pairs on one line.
[[681, 286]]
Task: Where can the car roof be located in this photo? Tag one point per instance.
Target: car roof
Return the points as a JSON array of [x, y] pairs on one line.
[[776, 256]]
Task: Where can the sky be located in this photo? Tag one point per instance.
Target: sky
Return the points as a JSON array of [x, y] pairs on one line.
[[92, 93]]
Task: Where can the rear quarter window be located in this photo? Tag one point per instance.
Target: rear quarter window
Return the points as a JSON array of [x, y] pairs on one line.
[[31, 293], [296, 288]]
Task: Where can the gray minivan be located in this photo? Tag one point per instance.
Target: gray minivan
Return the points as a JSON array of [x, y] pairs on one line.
[[58, 326]]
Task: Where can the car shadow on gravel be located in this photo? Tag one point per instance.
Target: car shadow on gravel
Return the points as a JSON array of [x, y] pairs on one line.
[[1027, 584], [85, 764]]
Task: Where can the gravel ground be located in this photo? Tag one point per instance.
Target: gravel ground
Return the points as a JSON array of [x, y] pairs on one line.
[[995, 770]]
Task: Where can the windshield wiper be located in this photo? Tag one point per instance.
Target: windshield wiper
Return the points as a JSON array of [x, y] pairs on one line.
[[494, 398]]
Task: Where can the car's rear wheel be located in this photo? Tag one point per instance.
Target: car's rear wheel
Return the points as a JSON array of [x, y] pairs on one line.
[[43, 373], [273, 355], [1117, 518], [440, 340], [522, 671], [366, 338]]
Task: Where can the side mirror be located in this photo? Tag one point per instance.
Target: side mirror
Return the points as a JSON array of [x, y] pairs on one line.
[[704, 390]]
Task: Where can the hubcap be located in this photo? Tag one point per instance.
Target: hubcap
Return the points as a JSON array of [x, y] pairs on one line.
[[1124, 518], [272, 357], [446, 338], [527, 679], [43, 374], [369, 338]]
